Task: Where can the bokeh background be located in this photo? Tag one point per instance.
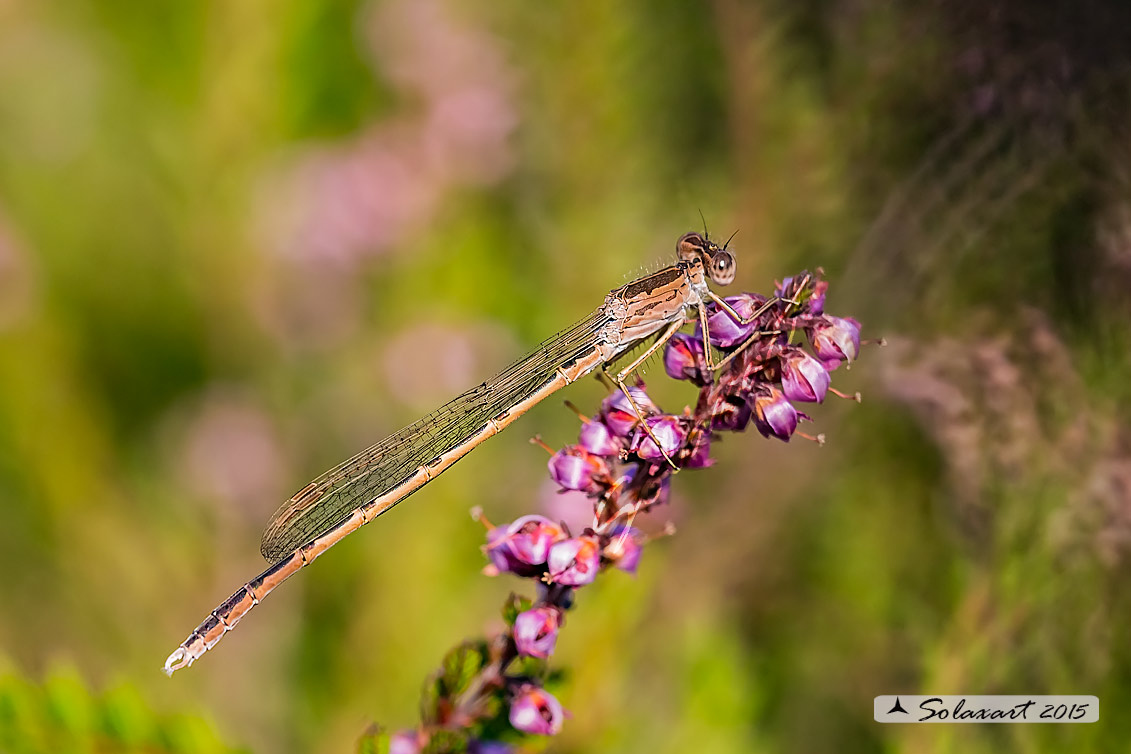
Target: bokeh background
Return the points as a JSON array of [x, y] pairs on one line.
[[240, 241]]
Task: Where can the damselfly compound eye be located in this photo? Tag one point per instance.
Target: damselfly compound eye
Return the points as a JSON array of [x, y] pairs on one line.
[[722, 268]]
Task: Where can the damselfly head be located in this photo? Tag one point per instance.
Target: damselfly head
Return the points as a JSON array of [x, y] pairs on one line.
[[719, 263]]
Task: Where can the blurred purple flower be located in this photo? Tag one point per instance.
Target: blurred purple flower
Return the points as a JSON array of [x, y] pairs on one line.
[[232, 454], [523, 543], [803, 377], [346, 202], [624, 548], [534, 710], [489, 747], [536, 631], [404, 742], [574, 562], [574, 509]]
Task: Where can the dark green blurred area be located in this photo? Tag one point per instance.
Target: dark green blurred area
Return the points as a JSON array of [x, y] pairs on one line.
[[241, 241]]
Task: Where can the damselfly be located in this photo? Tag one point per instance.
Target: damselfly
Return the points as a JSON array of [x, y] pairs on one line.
[[357, 491]]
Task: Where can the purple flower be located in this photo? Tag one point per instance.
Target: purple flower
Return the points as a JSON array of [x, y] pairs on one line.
[[683, 358], [624, 548], [574, 468], [488, 747], [597, 439], [523, 543], [404, 742], [803, 378], [724, 330], [774, 416], [836, 340], [668, 430], [536, 631], [535, 710], [617, 412], [574, 562]]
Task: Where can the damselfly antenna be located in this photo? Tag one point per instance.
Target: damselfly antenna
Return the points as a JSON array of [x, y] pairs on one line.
[[732, 235]]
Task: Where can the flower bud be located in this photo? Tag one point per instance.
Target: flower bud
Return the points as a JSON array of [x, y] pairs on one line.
[[404, 742], [535, 710], [724, 330], [683, 358], [574, 468], [624, 548], [666, 429], [574, 562], [536, 631], [618, 414], [522, 544], [835, 340], [773, 415], [816, 303], [596, 438], [803, 378]]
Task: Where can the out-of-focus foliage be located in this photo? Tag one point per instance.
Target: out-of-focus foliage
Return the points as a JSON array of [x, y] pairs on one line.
[[240, 241], [61, 714]]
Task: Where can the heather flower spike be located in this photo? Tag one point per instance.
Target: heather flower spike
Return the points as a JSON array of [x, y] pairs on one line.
[[617, 464]]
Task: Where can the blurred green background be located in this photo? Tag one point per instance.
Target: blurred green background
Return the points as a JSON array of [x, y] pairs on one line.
[[240, 241]]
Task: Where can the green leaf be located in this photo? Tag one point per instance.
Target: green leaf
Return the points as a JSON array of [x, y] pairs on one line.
[[430, 697], [460, 667], [373, 741], [447, 742], [513, 606]]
